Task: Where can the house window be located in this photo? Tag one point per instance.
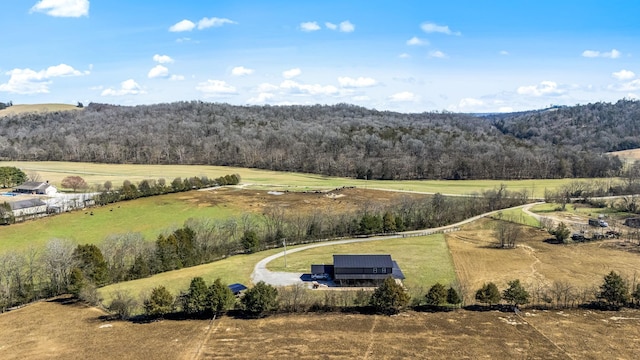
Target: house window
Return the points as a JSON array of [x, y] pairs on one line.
[[375, 270], [384, 270]]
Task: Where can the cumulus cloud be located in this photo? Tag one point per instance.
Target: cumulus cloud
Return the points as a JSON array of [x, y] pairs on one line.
[[62, 8], [437, 54], [633, 85], [127, 87], [241, 70], [184, 25], [347, 26], [176, 77], [613, 54], [309, 26], [404, 56], [158, 71], [266, 87], [291, 73], [331, 26], [545, 88], [435, 28], [403, 96], [311, 89], [416, 41], [27, 81], [504, 52], [624, 75], [261, 98], [204, 23], [162, 59], [347, 82], [212, 88]]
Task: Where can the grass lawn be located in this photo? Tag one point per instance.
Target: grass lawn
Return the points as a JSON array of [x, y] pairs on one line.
[[97, 174], [423, 260], [518, 216], [150, 216], [235, 269]]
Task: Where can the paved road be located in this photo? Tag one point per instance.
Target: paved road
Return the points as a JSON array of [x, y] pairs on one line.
[[279, 278]]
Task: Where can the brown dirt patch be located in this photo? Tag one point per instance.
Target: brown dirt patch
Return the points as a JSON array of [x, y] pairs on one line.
[[534, 261], [338, 201]]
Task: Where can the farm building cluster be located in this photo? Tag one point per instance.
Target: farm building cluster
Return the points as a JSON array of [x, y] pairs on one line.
[[33, 199], [358, 270]]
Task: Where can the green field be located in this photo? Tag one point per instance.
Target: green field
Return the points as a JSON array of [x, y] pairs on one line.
[[97, 174], [150, 216], [424, 261], [517, 216]]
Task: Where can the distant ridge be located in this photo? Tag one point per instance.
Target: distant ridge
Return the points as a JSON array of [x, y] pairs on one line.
[[36, 108]]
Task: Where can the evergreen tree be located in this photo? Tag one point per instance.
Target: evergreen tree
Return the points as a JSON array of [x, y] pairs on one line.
[[437, 295], [220, 297], [516, 294], [390, 297], [488, 294], [195, 300], [92, 264], [614, 290], [260, 299], [160, 302], [453, 297]]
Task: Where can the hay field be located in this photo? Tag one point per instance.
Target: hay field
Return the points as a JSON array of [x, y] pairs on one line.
[[534, 261], [97, 174], [73, 331], [35, 108]]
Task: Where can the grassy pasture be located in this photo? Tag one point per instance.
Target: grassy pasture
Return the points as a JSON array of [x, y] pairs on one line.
[[32, 108], [150, 216], [424, 260], [97, 174], [59, 330]]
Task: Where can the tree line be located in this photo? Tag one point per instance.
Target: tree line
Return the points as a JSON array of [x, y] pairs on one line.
[[64, 267], [388, 298], [339, 140]]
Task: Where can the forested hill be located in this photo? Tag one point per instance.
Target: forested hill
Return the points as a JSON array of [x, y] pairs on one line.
[[340, 140]]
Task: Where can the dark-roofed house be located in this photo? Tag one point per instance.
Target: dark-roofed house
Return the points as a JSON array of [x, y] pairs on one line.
[[36, 188], [28, 209], [364, 269]]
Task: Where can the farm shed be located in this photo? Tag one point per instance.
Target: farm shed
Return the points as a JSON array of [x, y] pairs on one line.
[[359, 269], [28, 209], [36, 188], [237, 288]]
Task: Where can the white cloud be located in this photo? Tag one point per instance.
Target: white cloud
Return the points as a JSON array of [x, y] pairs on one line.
[[27, 81], [183, 39], [213, 22], [127, 87], [416, 41], [403, 96], [504, 52], [162, 59], [404, 56], [624, 75], [241, 70], [632, 96], [212, 88], [261, 98], [347, 26], [348, 82], [176, 77], [361, 98], [331, 26], [435, 28], [309, 26], [613, 54], [158, 71], [633, 85], [62, 8], [291, 73], [311, 89], [470, 103], [437, 54], [545, 88], [184, 25], [266, 87]]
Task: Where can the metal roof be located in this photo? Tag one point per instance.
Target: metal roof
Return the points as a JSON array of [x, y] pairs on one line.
[[25, 204], [237, 288], [362, 261], [32, 186]]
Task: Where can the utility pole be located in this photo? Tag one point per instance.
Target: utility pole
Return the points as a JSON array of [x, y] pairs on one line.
[[284, 242]]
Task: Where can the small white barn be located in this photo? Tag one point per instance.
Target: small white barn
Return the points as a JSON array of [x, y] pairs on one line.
[[36, 188]]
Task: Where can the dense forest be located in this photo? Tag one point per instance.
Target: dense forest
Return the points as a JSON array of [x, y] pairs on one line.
[[338, 140]]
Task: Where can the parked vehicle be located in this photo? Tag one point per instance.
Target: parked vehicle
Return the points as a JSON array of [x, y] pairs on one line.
[[598, 222]]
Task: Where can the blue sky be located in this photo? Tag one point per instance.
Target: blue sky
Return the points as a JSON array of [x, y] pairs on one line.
[[408, 56]]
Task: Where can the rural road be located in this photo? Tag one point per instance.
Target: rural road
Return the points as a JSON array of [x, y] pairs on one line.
[[281, 278]]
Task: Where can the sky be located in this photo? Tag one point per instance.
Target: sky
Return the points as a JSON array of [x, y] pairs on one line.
[[407, 56]]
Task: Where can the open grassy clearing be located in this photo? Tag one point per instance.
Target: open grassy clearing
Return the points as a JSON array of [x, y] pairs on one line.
[[627, 155], [534, 261], [31, 108], [73, 331], [97, 174], [424, 260], [150, 216], [234, 269], [517, 216]]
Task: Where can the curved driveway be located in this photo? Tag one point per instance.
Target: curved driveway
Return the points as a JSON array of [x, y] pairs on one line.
[[280, 278]]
